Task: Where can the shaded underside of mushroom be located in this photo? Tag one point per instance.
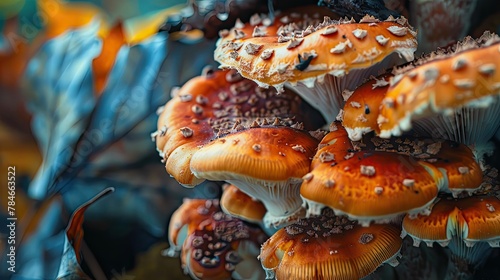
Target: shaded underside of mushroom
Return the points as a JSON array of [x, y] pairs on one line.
[[212, 244], [329, 247], [319, 60], [266, 162], [451, 94], [214, 105]]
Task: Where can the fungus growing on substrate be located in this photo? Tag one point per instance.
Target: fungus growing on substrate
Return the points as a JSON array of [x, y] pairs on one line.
[[372, 186], [294, 56], [361, 109], [455, 161], [214, 245], [451, 94], [266, 162], [468, 226], [218, 102], [329, 247], [240, 205], [380, 179], [334, 146], [441, 22]]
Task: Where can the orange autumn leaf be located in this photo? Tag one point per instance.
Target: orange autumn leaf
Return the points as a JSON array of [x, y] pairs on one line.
[[102, 65], [63, 16]]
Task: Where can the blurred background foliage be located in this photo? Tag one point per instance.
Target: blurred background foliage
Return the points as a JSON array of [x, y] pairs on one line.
[[80, 83]]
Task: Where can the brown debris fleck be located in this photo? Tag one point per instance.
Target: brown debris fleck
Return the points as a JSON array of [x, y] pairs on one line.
[[257, 148], [186, 131], [367, 170]]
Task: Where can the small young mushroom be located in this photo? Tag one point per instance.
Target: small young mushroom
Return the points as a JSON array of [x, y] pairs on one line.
[[240, 205], [212, 244], [447, 94], [319, 60], [329, 247]]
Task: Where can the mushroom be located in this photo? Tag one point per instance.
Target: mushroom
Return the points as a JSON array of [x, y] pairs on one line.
[[380, 179], [446, 94], [329, 247], [265, 162], [455, 161], [242, 206], [334, 147], [214, 245], [317, 60], [361, 108], [468, 226], [372, 186], [215, 104]]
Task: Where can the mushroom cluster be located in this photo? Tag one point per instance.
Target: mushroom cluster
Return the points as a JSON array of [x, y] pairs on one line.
[[212, 244], [404, 152]]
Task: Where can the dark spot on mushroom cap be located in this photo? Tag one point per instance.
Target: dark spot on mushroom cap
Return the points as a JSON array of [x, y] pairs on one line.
[[303, 64]]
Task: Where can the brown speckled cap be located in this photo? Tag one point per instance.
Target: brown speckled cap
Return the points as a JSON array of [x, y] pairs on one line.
[[451, 94], [329, 247], [214, 105], [313, 56], [212, 244]]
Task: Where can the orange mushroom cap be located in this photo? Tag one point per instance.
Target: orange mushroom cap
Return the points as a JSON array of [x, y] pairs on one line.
[[187, 218], [329, 247], [455, 161], [448, 93], [334, 147], [212, 105], [295, 54], [265, 162], [214, 245], [372, 186], [474, 221], [238, 204], [361, 109]]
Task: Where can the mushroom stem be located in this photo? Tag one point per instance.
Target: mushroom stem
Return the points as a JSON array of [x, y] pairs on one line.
[[283, 201]]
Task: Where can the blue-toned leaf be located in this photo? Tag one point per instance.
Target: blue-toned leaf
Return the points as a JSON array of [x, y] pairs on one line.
[[60, 96]]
